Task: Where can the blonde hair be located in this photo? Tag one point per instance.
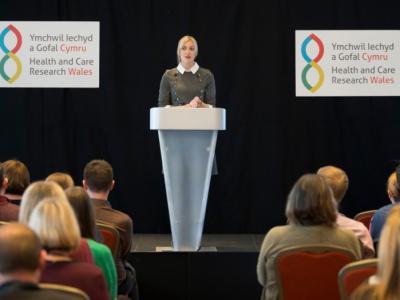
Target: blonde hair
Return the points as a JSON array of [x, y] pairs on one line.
[[62, 179], [34, 194], [389, 256], [182, 42], [337, 180], [392, 187], [55, 223], [310, 202]]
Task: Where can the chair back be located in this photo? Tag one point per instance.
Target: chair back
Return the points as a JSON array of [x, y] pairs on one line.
[[365, 217], [110, 236], [354, 274], [310, 271], [65, 290]]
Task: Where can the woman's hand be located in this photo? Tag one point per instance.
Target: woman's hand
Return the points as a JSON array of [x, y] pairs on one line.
[[195, 103]]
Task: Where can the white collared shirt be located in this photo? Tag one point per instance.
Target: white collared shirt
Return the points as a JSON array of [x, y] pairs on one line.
[[193, 69]]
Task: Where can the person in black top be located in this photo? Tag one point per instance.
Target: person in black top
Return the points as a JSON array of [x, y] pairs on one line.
[[187, 85]]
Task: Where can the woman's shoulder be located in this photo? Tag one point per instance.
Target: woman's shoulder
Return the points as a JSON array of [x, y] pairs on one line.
[[204, 72], [99, 247], [171, 72], [278, 230]]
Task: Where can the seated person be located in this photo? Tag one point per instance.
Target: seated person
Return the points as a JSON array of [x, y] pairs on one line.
[[62, 179], [386, 284], [339, 182], [21, 262], [103, 258], [33, 195], [311, 214], [18, 179], [379, 217], [98, 182], [8, 211], [55, 223]]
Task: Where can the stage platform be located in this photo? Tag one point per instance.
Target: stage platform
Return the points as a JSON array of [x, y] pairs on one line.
[[224, 268]]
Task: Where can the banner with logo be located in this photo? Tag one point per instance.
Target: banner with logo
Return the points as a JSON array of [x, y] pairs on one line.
[[49, 54], [347, 63]]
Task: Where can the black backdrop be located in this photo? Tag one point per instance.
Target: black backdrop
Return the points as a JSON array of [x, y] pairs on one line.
[[272, 137]]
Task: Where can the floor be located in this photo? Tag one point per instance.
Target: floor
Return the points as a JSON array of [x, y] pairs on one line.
[[210, 242]]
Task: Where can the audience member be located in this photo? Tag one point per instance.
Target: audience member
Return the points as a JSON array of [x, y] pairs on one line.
[[21, 262], [55, 223], [339, 183], [103, 258], [62, 179], [33, 195], [311, 213], [386, 284], [379, 217], [8, 211], [18, 179], [98, 181]]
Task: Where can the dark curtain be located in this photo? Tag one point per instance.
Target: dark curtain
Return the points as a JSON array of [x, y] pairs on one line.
[[272, 137]]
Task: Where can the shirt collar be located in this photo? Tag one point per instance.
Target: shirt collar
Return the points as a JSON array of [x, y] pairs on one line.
[[194, 69]]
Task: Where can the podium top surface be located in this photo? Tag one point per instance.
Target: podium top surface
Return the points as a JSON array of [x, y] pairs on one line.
[[180, 118]]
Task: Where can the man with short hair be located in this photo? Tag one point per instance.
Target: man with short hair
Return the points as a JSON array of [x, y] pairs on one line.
[[8, 211], [98, 181], [339, 182], [379, 217], [21, 262], [18, 179]]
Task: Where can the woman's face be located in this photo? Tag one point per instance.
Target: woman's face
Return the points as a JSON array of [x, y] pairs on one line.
[[187, 53]]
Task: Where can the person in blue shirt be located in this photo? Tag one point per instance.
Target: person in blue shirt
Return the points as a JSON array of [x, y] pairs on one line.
[[379, 218]]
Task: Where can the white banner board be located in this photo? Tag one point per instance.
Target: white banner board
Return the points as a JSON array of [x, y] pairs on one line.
[[49, 54], [347, 63]]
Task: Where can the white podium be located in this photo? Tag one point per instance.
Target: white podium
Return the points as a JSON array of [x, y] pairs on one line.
[[187, 141]]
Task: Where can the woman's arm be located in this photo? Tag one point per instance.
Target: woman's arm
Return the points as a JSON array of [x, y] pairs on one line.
[[164, 95], [209, 93]]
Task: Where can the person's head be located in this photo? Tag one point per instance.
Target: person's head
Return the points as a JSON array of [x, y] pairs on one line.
[[20, 253], [310, 202], [62, 179], [337, 180], [55, 223], [389, 256], [393, 189], [83, 208], [34, 194], [17, 175], [98, 176], [187, 50]]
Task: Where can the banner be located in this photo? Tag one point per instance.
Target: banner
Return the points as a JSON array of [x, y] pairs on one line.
[[49, 54], [347, 63]]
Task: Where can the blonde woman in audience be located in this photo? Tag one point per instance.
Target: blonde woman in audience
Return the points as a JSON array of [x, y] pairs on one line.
[[311, 213], [62, 179], [55, 223], [33, 195], [84, 212], [386, 284]]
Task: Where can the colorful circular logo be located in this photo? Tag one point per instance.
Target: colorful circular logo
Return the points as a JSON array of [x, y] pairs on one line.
[[10, 54], [312, 63]]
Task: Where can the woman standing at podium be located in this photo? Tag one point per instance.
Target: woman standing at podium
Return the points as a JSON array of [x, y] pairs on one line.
[[187, 85]]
